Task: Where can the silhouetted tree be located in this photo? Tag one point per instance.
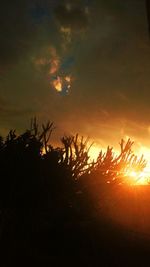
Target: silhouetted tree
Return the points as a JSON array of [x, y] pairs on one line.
[[41, 184], [116, 167]]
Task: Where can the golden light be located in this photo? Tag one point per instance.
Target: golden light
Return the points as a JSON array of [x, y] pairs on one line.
[[144, 176], [134, 177], [57, 83], [130, 176], [62, 83], [133, 174], [68, 82], [68, 79], [94, 152]]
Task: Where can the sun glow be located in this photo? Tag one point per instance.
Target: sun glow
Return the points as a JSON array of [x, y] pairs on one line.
[[94, 152], [131, 176], [138, 177], [144, 176]]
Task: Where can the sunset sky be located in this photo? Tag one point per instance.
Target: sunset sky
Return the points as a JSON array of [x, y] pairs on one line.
[[104, 46]]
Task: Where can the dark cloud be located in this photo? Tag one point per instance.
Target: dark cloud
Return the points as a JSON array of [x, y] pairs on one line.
[[73, 17], [16, 31], [110, 63], [23, 27], [148, 13]]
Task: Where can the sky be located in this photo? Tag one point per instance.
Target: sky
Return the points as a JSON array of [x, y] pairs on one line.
[[104, 49]]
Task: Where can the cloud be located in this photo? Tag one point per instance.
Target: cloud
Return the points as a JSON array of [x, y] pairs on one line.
[[49, 60], [72, 17], [24, 27], [16, 31]]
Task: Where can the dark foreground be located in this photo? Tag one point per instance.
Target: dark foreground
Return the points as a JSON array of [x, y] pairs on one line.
[[76, 244], [120, 236], [56, 209]]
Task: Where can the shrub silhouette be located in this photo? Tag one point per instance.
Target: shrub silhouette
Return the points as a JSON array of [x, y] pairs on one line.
[[37, 186], [41, 184], [115, 167], [43, 187], [108, 171]]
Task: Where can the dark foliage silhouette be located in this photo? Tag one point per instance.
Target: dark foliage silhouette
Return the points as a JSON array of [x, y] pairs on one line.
[[44, 188], [114, 168]]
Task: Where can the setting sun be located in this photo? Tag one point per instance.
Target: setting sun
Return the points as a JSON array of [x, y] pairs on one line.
[[137, 178], [131, 175]]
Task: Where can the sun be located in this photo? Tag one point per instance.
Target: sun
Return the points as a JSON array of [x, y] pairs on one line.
[[134, 177], [131, 176]]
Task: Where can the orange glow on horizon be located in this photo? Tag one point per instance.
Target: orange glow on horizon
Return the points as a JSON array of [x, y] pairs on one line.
[[132, 176], [138, 178]]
